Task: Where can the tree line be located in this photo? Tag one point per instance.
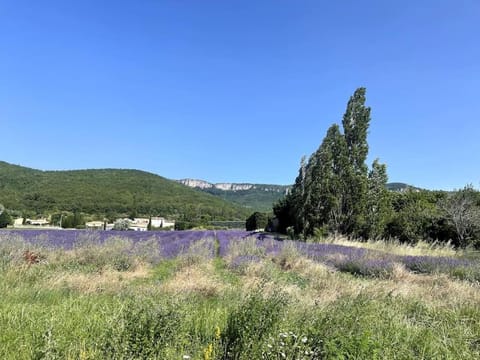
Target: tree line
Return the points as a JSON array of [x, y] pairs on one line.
[[337, 193]]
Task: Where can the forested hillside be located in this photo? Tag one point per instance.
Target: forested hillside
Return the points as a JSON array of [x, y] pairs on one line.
[[109, 191]]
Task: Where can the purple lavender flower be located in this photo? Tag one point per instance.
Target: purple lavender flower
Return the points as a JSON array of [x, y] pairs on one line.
[[169, 244]]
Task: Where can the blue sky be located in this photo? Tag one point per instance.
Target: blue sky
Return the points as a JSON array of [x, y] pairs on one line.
[[238, 91]]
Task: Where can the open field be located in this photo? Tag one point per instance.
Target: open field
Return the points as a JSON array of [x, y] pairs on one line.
[[232, 295]]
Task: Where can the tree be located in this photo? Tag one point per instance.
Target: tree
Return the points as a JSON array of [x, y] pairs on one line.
[[331, 191], [463, 212], [378, 209], [121, 224], [5, 218], [324, 200], [256, 221], [133, 214], [297, 199], [355, 126], [414, 213], [356, 121], [74, 220], [284, 214]]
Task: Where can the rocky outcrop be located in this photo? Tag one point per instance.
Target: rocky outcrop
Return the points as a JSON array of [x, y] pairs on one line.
[[196, 183], [201, 184]]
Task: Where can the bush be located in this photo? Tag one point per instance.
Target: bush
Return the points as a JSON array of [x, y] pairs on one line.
[[5, 219], [256, 221]]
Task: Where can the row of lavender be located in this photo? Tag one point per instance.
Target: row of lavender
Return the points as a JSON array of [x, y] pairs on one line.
[[375, 263], [170, 244], [354, 260], [167, 243]]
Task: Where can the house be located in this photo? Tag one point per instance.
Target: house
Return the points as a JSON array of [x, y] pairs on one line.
[[160, 222], [94, 225], [157, 222], [138, 227], [139, 224], [168, 223], [141, 221], [37, 222]]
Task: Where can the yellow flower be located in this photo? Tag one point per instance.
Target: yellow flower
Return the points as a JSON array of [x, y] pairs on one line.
[[208, 352], [217, 332], [84, 355]]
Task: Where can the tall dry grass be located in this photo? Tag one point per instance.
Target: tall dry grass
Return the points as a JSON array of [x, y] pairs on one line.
[[420, 248]]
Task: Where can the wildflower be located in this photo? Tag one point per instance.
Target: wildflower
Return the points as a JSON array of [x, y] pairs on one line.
[[208, 352], [84, 354], [217, 332]]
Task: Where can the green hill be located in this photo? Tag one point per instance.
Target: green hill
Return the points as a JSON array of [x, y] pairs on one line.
[[109, 191]]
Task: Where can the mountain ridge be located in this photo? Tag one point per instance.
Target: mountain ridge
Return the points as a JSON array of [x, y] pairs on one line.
[[256, 197], [227, 186]]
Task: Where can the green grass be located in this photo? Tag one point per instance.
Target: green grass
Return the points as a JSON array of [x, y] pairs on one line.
[[282, 307], [165, 269]]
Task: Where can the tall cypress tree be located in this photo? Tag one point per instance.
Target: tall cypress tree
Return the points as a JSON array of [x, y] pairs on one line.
[[355, 123]]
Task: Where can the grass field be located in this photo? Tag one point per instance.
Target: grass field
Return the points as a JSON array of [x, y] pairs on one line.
[[233, 295]]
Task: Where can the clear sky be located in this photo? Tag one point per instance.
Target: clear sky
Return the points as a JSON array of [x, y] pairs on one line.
[[238, 91]]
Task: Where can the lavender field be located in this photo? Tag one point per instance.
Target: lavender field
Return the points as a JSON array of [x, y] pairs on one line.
[[231, 295], [169, 244]]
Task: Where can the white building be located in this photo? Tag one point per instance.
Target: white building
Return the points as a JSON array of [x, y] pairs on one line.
[[139, 224], [37, 222], [160, 222], [94, 225]]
